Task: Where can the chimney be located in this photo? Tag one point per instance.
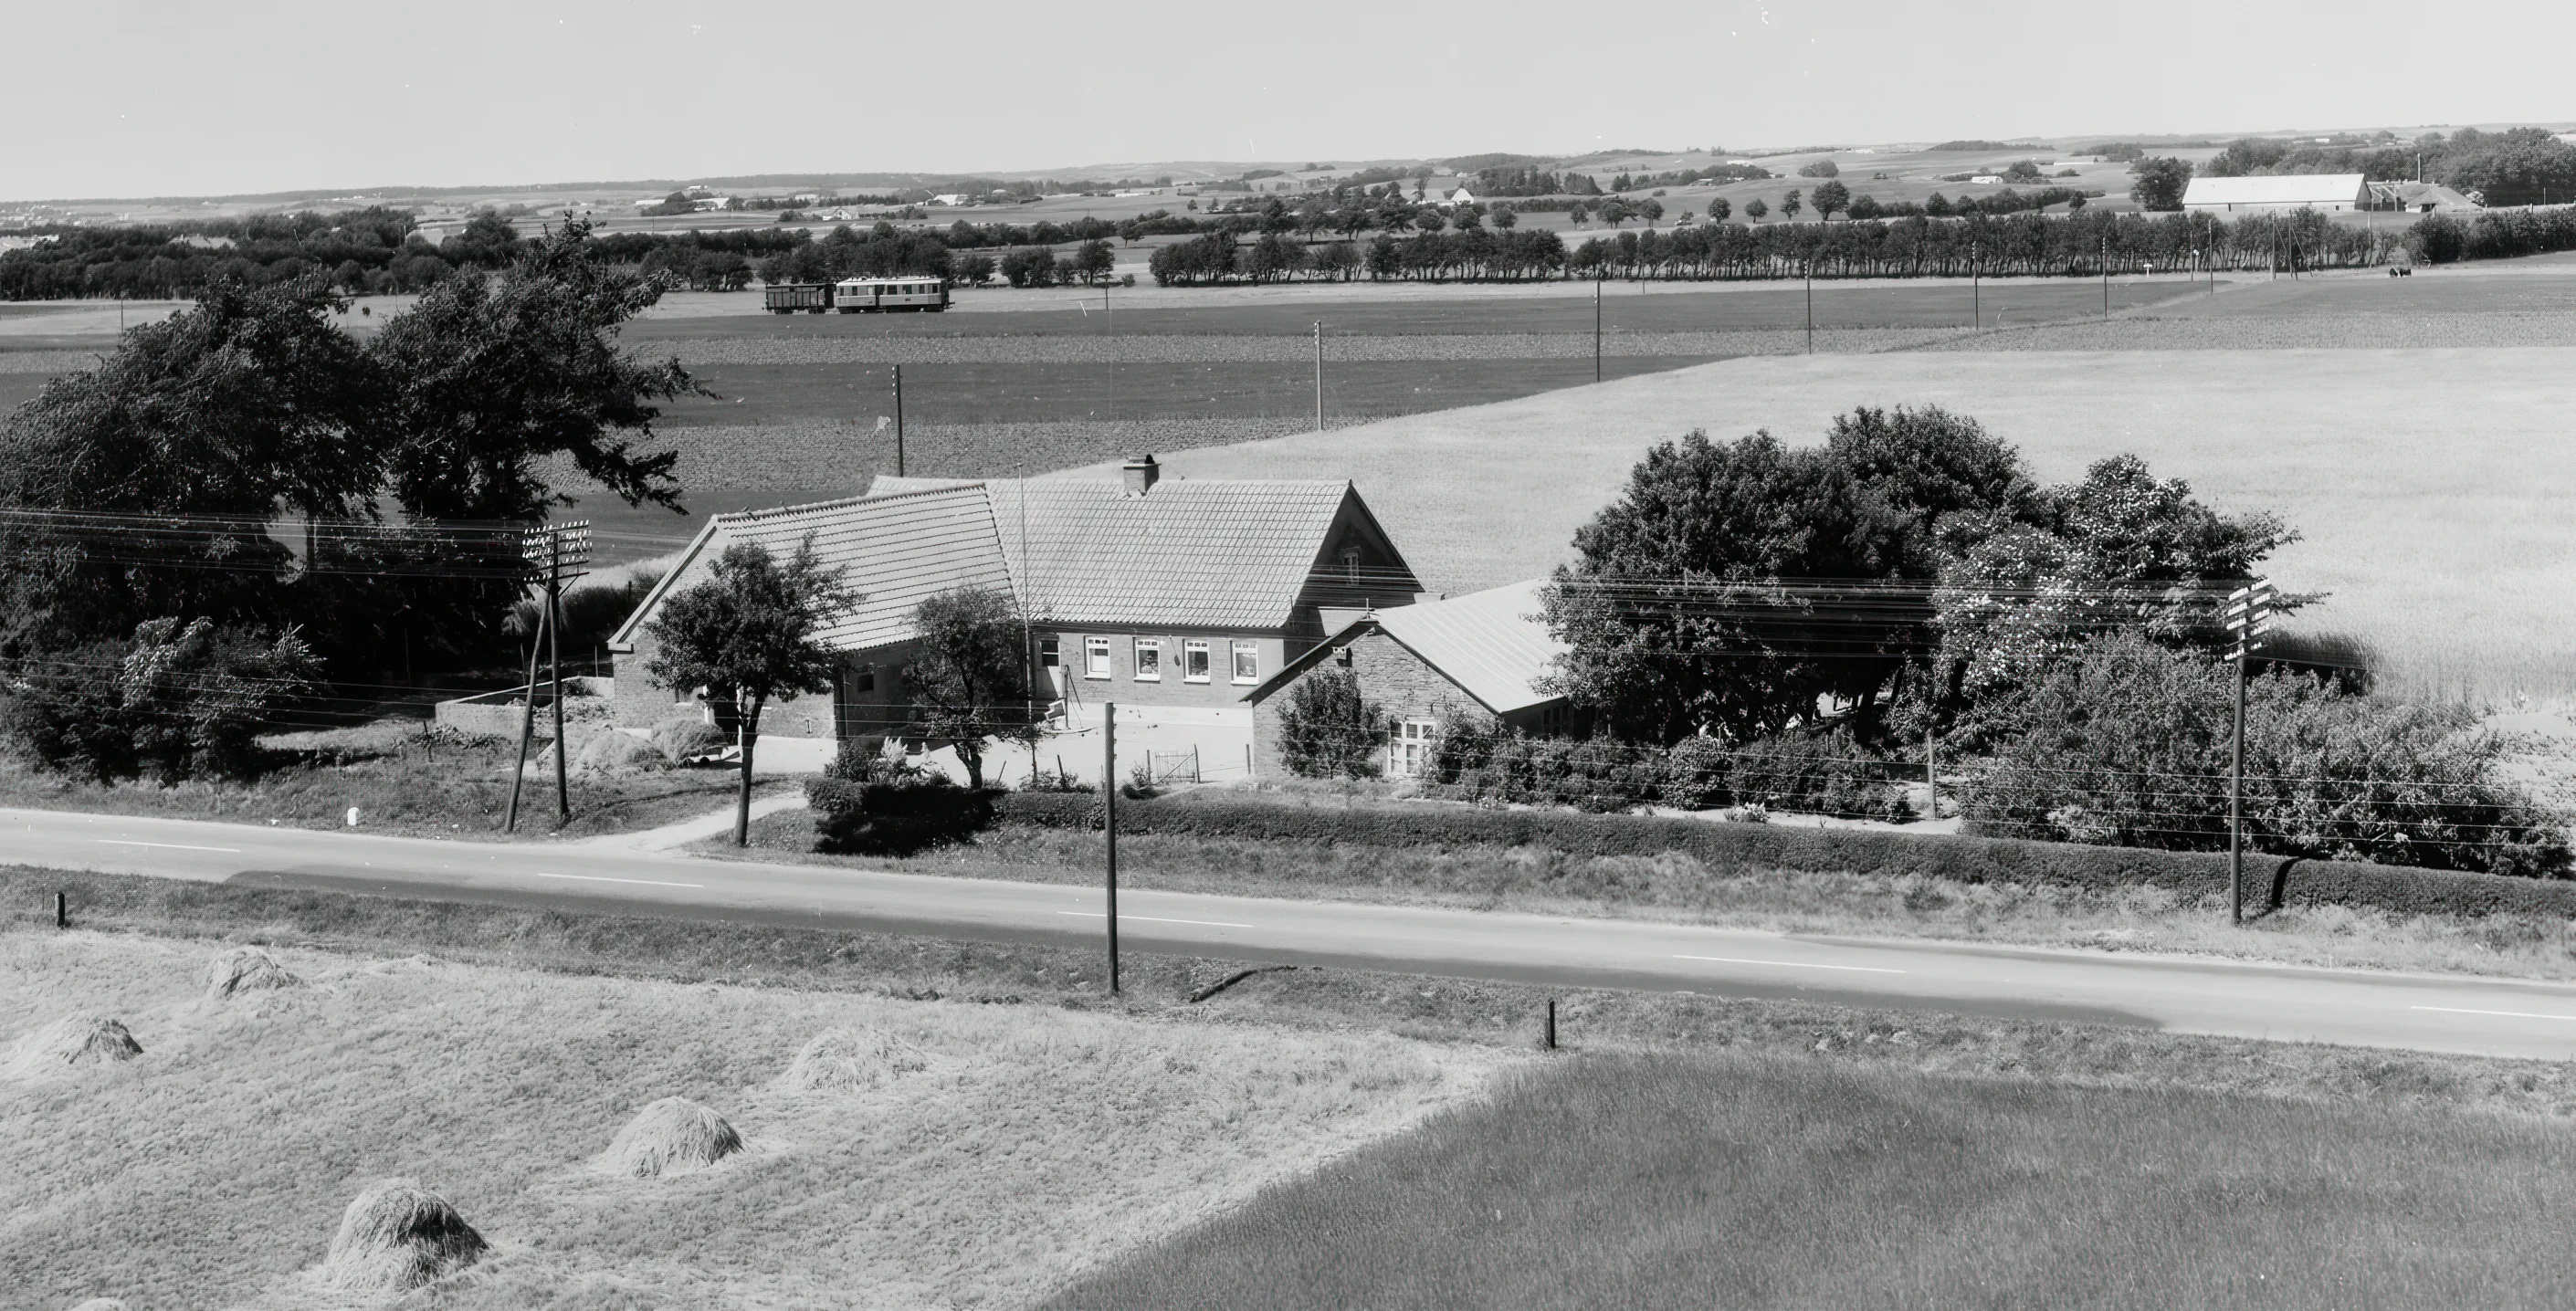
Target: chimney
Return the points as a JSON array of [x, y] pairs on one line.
[[1142, 473]]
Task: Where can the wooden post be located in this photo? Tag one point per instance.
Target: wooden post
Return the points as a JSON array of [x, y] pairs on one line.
[[1319, 375], [1109, 825], [1596, 326], [1549, 1042], [554, 658], [898, 421], [2236, 801], [62, 911]]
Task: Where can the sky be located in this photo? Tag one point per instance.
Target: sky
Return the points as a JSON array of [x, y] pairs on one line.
[[205, 97]]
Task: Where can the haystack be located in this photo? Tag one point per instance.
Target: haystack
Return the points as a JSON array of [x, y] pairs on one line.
[[70, 1042], [248, 969], [671, 1135], [845, 1060], [396, 1237], [100, 1304]]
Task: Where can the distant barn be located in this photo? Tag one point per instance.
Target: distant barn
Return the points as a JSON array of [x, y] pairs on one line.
[[2323, 192]]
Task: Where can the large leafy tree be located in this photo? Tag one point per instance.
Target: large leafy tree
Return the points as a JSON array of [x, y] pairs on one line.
[[750, 634], [2160, 183], [968, 676], [248, 405], [490, 378]]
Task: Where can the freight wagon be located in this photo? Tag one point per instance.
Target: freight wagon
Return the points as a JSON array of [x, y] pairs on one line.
[[789, 297]]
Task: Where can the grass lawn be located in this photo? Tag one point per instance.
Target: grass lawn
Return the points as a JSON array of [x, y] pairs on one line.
[[401, 781], [1676, 886], [2432, 485], [1686, 1181]]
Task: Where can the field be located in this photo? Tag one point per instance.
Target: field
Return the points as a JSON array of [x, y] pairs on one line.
[[2431, 486], [1692, 1181], [1002, 1149]]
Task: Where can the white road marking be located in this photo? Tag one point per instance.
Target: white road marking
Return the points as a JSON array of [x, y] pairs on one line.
[[602, 878], [2519, 1015], [171, 846], [1792, 964], [1154, 919]]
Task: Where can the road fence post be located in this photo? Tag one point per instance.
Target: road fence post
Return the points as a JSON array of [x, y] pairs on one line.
[[1109, 824]]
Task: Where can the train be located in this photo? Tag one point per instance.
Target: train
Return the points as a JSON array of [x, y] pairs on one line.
[[857, 296]]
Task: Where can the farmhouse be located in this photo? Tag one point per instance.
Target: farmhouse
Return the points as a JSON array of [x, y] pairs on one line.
[[1484, 656], [2325, 192], [1169, 598]]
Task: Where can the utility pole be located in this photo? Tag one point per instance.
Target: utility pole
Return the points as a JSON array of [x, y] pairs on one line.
[[898, 421], [552, 548], [1810, 269], [2249, 616], [1109, 823], [1319, 375], [1976, 292], [2106, 276]]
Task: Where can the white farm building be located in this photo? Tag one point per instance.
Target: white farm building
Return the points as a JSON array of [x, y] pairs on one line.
[[2325, 192]]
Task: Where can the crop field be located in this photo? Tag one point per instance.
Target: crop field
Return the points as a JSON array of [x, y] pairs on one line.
[[2432, 486], [1683, 1181], [981, 1155]]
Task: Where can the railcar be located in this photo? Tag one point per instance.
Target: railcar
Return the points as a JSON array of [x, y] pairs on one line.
[[790, 297], [866, 295]]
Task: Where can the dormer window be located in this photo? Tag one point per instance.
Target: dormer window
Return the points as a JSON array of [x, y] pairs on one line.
[[1351, 563]]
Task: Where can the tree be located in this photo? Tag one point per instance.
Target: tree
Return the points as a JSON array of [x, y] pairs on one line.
[[969, 674], [2160, 183], [179, 701], [1830, 198], [1823, 168], [748, 634], [1652, 210], [1755, 209], [1095, 260], [1506, 218], [1719, 210], [1789, 206], [248, 405], [1327, 729]]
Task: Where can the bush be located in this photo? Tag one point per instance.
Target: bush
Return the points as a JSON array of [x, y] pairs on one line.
[[185, 701], [1728, 849], [896, 814], [682, 738], [2129, 745], [1328, 730], [1474, 762]]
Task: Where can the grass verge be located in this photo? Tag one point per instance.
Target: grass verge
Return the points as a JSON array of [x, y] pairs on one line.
[[1681, 1181], [1676, 886]]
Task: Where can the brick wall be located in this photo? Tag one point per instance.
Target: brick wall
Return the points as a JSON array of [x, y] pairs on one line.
[[1172, 689], [642, 703], [1393, 677]]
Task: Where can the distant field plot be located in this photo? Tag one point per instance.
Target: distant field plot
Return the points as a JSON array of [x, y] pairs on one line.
[[1690, 1182], [2434, 487], [2358, 330]]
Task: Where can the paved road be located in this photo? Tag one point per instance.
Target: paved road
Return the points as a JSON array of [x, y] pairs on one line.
[[2427, 1013]]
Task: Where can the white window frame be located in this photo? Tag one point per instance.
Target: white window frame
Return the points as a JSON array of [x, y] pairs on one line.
[[1241, 652], [1409, 745], [1198, 664], [1095, 658], [1050, 651], [1148, 671]]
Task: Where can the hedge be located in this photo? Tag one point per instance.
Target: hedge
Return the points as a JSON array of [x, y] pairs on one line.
[[893, 817], [1730, 848]]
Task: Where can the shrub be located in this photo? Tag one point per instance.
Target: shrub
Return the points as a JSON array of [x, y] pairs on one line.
[[186, 701], [2130, 745], [1327, 729], [894, 814], [1728, 849], [1473, 761]]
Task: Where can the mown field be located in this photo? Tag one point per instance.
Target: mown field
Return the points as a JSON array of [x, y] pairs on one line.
[[1695, 1181], [2431, 486]]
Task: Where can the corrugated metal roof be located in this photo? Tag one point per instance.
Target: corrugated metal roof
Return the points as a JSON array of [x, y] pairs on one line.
[[2282, 189], [1192, 553], [895, 551], [1493, 643]]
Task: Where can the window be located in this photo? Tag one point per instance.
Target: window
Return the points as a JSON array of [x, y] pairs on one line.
[[1149, 660], [1095, 657], [1247, 662], [1410, 753], [1194, 660], [863, 678], [1049, 653], [1351, 563]]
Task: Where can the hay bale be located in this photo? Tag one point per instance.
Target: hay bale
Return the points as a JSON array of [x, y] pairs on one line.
[[71, 1042], [670, 1136], [100, 1304], [613, 752], [397, 1236], [845, 1060], [248, 969]]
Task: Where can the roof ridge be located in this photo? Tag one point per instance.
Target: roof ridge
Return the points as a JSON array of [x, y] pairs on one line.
[[776, 511]]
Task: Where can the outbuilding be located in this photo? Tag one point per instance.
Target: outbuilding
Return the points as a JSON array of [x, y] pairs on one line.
[[2323, 192], [1486, 656]]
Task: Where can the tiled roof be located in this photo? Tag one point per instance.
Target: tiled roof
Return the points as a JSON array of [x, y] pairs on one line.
[[1191, 553], [895, 551], [1491, 643]]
